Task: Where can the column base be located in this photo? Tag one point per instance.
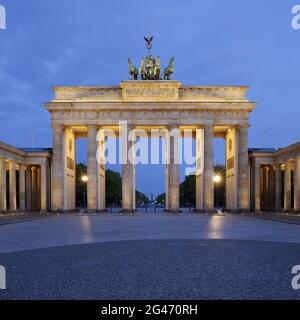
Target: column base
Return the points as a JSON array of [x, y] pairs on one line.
[[237, 211], [57, 211], [102, 211], [174, 211], [198, 211], [205, 211], [127, 211]]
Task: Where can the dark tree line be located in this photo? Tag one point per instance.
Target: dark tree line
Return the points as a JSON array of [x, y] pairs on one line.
[[187, 190], [113, 186]]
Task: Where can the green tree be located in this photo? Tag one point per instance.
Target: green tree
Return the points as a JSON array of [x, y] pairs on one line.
[[81, 187], [141, 198], [161, 199], [113, 186], [187, 190]]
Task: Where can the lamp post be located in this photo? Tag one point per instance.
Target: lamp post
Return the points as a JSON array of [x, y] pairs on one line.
[[218, 180], [84, 179]]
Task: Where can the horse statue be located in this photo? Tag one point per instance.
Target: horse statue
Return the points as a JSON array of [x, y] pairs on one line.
[[133, 71], [169, 69], [142, 69], [157, 69]]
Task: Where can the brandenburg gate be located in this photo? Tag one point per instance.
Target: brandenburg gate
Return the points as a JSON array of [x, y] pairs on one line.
[[145, 104], [44, 179]]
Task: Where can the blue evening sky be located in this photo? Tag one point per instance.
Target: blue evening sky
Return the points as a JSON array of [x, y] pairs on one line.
[[215, 42]]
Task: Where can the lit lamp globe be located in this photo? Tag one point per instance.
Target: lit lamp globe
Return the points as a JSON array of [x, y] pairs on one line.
[[84, 178], [217, 178]]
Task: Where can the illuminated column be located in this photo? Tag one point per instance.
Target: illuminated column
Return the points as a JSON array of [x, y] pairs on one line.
[[173, 170], [167, 157], [128, 158], [257, 187], [243, 169], [266, 187], [28, 189], [287, 186], [297, 184], [134, 170], [271, 196], [3, 205], [43, 182], [232, 165], [101, 170], [278, 187], [92, 169], [199, 169], [38, 189], [57, 169], [22, 204], [208, 169], [12, 186], [34, 186]]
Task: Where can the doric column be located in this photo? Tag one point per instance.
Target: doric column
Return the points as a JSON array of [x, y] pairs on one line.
[[101, 170], [22, 204], [28, 189], [287, 186], [128, 158], [92, 169], [297, 184], [167, 171], [271, 188], [257, 187], [34, 186], [266, 187], [208, 169], [278, 187], [199, 169], [38, 189], [43, 182], [12, 186], [174, 170], [3, 205], [243, 171], [57, 169]]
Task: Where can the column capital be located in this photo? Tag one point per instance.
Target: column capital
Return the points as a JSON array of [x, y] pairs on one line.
[[243, 125], [172, 126], [58, 126], [92, 127]]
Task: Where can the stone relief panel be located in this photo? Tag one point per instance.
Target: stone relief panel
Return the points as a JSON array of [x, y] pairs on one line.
[[150, 90], [213, 93], [82, 117], [87, 93]]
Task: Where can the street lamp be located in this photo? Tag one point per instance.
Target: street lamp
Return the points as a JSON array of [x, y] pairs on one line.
[[217, 178], [84, 179]]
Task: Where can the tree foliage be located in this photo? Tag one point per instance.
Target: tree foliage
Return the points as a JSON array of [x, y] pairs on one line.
[[113, 186]]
